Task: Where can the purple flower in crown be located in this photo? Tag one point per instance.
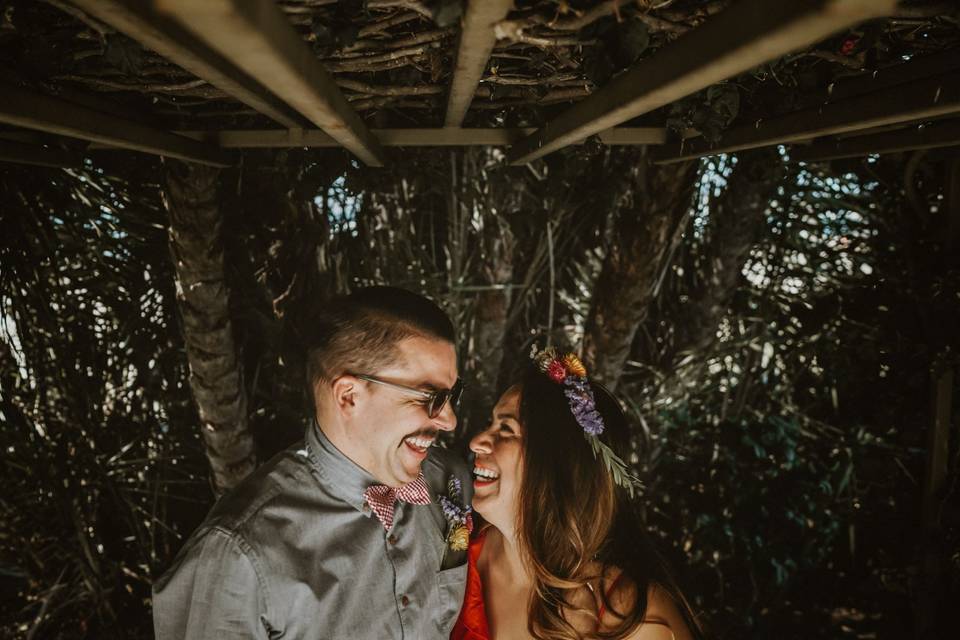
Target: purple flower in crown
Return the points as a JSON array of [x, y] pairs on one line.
[[582, 404], [568, 371]]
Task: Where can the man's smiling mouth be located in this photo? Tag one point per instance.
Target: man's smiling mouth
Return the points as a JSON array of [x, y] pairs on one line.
[[420, 444]]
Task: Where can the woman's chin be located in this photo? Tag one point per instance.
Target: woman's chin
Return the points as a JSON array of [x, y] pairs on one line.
[[483, 486], [487, 507]]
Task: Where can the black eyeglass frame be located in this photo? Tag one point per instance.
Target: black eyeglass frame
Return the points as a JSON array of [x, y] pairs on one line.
[[433, 401]]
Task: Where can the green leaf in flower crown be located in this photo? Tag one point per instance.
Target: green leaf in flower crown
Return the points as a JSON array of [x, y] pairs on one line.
[[615, 465]]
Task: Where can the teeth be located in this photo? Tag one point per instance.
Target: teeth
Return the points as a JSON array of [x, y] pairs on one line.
[[420, 443], [485, 473]]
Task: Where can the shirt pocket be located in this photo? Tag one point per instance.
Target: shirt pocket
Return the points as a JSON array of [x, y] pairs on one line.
[[451, 585]]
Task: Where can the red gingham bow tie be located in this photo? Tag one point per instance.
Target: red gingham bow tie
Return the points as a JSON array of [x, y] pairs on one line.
[[382, 498]]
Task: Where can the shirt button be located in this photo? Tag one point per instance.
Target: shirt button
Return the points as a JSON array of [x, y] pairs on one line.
[[392, 539], [405, 601]]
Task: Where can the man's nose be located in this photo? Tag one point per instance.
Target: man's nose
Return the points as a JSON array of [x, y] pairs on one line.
[[446, 420]]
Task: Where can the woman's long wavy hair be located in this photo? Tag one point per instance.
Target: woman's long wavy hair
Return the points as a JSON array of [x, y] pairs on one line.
[[573, 517]]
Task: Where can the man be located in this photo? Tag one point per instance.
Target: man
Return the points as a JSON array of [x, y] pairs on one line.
[[341, 536]]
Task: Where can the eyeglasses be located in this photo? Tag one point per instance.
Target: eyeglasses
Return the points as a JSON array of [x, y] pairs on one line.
[[433, 401]]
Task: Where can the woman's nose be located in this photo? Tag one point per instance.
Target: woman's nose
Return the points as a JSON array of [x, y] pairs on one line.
[[482, 442]]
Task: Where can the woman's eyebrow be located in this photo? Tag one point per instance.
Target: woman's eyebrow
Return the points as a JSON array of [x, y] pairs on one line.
[[506, 416]]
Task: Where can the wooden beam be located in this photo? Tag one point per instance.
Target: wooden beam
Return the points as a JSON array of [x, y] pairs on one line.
[[24, 136], [747, 34], [851, 86], [929, 136], [39, 156], [256, 36], [633, 136], [139, 20], [896, 126], [31, 110], [386, 138], [297, 138], [918, 100], [476, 43]]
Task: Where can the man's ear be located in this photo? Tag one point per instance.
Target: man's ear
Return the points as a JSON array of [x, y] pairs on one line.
[[346, 389]]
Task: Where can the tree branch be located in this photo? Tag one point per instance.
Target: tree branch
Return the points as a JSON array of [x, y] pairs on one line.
[[412, 5], [388, 45], [383, 90], [383, 25]]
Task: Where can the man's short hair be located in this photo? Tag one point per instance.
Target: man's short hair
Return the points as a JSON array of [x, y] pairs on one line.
[[359, 332]]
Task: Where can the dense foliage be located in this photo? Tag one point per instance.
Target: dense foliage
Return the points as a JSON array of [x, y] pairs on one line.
[[780, 430]]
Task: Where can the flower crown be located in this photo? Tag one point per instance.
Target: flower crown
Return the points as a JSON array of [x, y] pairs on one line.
[[568, 370]]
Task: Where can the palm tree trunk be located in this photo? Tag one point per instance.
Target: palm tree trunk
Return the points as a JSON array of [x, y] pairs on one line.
[[490, 318], [216, 377], [642, 242], [735, 223]]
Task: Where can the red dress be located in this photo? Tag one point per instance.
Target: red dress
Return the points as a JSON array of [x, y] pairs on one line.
[[472, 623]]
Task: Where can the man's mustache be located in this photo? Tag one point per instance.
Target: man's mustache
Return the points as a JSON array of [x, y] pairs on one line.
[[424, 433]]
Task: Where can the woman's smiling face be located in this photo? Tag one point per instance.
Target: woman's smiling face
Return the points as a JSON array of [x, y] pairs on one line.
[[498, 468]]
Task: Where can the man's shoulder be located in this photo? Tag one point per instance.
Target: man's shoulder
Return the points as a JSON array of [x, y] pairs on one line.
[[267, 484], [242, 520]]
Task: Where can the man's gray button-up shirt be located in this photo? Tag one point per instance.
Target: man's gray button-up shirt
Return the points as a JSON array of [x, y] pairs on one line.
[[294, 553]]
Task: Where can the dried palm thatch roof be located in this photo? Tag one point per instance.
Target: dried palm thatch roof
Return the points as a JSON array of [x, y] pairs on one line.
[[695, 76]]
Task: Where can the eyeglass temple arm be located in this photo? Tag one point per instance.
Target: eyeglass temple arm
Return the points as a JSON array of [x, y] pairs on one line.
[[419, 392]]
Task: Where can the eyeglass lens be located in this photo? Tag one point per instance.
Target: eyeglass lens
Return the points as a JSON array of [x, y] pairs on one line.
[[439, 399]]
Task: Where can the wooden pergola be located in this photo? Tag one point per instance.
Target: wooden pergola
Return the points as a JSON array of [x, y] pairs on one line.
[[256, 53]]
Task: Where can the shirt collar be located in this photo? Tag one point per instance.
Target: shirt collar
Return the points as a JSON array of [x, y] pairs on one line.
[[343, 477]]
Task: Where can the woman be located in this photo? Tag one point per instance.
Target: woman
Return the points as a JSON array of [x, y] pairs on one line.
[[562, 554]]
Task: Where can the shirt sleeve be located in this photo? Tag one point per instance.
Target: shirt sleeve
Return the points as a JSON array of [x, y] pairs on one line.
[[212, 592]]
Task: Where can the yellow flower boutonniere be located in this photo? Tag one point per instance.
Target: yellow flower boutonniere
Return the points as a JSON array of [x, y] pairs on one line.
[[459, 538]]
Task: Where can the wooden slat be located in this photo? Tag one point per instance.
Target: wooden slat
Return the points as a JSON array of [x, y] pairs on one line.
[[272, 138], [633, 136], [851, 86], [386, 137], [926, 98], [931, 136], [39, 156], [36, 111], [256, 36], [24, 136], [896, 126], [138, 20], [747, 34], [902, 126], [476, 42]]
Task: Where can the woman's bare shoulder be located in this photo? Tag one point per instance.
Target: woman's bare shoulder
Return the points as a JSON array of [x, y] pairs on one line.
[[616, 592], [662, 619]]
